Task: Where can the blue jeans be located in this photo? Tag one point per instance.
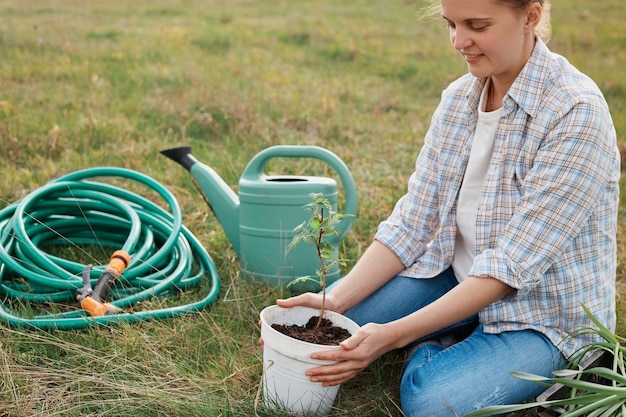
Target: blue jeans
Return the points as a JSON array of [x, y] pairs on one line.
[[471, 374]]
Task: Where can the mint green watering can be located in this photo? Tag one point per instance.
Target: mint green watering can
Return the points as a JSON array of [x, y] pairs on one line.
[[259, 222]]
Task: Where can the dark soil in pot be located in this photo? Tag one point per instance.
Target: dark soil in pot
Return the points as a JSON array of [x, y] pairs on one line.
[[327, 333]]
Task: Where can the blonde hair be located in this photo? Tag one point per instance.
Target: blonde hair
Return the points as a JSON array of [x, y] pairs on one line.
[[543, 29]]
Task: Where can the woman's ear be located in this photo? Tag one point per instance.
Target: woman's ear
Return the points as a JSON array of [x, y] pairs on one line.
[[533, 15]]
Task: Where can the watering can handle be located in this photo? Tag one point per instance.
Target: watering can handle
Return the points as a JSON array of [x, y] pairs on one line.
[[256, 168]]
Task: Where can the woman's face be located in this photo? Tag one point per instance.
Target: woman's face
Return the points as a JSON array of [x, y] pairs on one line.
[[495, 40]]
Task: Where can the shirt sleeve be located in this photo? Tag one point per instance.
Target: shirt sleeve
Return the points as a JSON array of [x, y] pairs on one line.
[[415, 217]]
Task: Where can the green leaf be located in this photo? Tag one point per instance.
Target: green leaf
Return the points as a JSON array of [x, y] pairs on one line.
[[592, 386], [594, 406], [609, 411], [603, 331], [300, 280], [314, 223], [567, 373], [609, 374], [502, 409], [529, 377]]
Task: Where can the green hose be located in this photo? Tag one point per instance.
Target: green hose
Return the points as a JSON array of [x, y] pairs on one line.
[[77, 212]]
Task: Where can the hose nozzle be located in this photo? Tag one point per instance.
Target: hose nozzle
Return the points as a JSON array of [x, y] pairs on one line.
[[93, 300]]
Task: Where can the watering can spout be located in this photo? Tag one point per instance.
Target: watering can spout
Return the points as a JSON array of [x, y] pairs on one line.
[[181, 155], [217, 193]]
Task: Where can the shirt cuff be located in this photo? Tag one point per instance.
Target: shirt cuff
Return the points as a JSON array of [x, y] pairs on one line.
[[496, 265]]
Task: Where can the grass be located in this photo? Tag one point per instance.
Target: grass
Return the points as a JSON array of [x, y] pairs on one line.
[[110, 83]]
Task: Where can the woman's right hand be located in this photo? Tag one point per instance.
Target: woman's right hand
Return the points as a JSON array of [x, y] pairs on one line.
[[309, 299], [377, 266]]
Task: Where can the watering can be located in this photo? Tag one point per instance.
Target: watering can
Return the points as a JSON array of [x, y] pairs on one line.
[[259, 221]]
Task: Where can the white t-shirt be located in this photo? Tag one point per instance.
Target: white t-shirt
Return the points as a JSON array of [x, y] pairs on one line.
[[473, 181]]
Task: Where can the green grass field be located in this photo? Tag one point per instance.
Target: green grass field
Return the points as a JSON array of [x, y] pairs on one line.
[[113, 83]]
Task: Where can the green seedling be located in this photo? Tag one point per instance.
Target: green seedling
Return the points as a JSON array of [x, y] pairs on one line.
[[316, 231]]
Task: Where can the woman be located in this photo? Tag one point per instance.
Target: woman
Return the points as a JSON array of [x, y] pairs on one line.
[[508, 225]]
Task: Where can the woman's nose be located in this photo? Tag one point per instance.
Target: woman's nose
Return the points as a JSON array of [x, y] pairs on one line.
[[460, 39]]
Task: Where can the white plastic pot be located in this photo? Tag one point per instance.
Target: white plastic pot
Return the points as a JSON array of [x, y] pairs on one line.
[[286, 359]]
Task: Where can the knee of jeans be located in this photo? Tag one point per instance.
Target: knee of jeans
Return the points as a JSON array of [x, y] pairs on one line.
[[419, 397], [422, 393]]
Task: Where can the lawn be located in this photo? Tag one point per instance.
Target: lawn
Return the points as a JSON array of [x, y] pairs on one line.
[[89, 84]]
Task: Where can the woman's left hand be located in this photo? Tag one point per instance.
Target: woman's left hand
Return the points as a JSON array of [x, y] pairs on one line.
[[357, 352]]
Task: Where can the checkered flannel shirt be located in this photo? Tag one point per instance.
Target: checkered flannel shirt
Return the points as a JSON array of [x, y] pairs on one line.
[[547, 216]]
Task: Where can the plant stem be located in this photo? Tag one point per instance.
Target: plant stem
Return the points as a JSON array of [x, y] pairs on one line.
[[322, 273]]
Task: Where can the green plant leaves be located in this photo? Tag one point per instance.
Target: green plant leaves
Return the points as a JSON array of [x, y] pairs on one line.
[[587, 397], [320, 225]]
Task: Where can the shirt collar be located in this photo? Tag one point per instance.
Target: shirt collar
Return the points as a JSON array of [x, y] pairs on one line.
[[527, 89]]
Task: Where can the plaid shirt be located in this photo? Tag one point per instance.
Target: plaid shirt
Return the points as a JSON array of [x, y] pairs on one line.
[[547, 217]]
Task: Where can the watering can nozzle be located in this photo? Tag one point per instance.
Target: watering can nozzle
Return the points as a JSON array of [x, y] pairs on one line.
[[181, 155]]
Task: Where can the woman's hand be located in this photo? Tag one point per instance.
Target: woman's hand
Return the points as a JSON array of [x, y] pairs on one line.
[[357, 352], [309, 299]]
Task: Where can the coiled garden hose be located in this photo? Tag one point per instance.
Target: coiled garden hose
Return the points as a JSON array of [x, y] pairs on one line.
[[76, 211]]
